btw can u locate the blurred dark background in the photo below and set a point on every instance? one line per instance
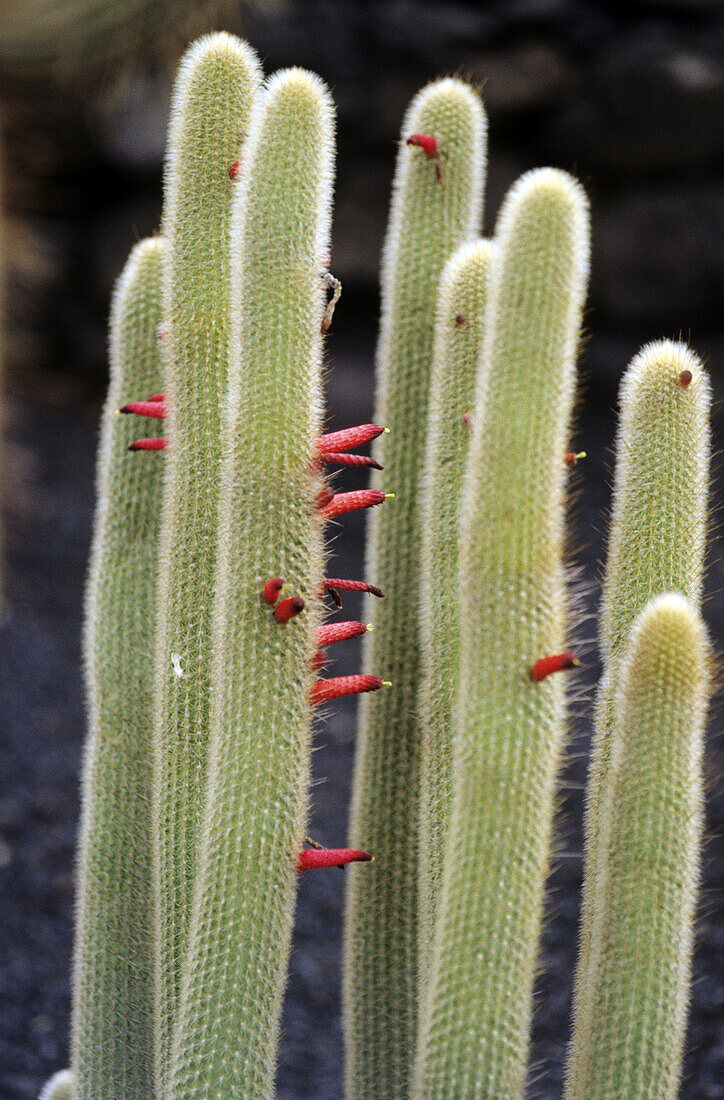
(629, 97)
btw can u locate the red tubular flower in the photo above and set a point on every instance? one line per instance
(149, 445)
(157, 397)
(426, 142)
(348, 438)
(234, 169)
(325, 690)
(348, 460)
(287, 609)
(350, 502)
(339, 632)
(271, 590)
(156, 409)
(334, 584)
(311, 858)
(319, 660)
(544, 666)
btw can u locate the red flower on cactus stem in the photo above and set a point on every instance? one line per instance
(159, 444)
(271, 590)
(325, 690)
(287, 609)
(313, 858)
(339, 632)
(348, 438)
(156, 409)
(430, 148)
(350, 502)
(556, 662)
(337, 584)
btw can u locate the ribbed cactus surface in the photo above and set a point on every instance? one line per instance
(509, 729)
(261, 675)
(656, 544)
(112, 977)
(435, 209)
(209, 120)
(59, 1087)
(653, 809)
(457, 348)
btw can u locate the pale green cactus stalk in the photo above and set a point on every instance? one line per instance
(458, 343)
(656, 544)
(509, 728)
(59, 1087)
(436, 207)
(112, 976)
(216, 84)
(653, 806)
(260, 731)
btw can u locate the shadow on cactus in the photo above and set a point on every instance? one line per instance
(207, 594)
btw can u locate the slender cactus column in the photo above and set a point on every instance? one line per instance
(435, 209)
(209, 119)
(656, 544)
(112, 1025)
(509, 728)
(260, 735)
(458, 344)
(653, 805)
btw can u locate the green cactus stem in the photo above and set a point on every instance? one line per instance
(256, 797)
(215, 87)
(435, 208)
(653, 808)
(112, 977)
(509, 728)
(59, 1087)
(458, 342)
(658, 528)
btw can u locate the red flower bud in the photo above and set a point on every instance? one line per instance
(319, 660)
(348, 438)
(350, 502)
(312, 858)
(149, 445)
(337, 584)
(426, 142)
(685, 379)
(349, 460)
(271, 590)
(544, 666)
(287, 609)
(234, 169)
(157, 397)
(339, 632)
(156, 409)
(324, 690)
(571, 458)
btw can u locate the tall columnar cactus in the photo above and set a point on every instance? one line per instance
(436, 205)
(112, 978)
(656, 545)
(458, 342)
(260, 730)
(209, 121)
(653, 811)
(508, 726)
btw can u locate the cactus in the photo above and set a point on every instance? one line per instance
(435, 208)
(210, 556)
(509, 729)
(112, 979)
(216, 83)
(59, 1087)
(653, 813)
(260, 725)
(458, 340)
(656, 544)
